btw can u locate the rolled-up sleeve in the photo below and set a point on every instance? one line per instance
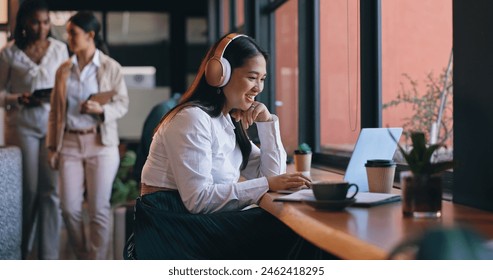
(270, 158)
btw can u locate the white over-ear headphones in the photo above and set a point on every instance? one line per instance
(218, 69)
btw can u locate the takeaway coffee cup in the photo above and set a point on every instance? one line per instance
(329, 190)
(302, 162)
(380, 173)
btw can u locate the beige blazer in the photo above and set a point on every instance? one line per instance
(109, 77)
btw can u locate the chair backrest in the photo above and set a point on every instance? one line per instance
(10, 203)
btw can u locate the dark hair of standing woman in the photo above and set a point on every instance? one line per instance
(211, 99)
(88, 22)
(25, 12)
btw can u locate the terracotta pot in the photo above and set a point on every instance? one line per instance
(421, 195)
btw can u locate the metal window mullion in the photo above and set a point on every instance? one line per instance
(232, 15)
(213, 21)
(309, 72)
(371, 63)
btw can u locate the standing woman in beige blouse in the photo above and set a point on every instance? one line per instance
(28, 63)
(83, 137)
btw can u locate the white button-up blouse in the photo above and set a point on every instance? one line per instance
(19, 74)
(80, 85)
(198, 155)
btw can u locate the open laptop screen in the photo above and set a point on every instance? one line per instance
(372, 143)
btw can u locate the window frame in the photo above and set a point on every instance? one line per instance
(370, 79)
(261, 14)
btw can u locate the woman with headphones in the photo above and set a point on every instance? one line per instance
(193, 204)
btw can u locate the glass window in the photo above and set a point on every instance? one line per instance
(123, 28)
(196, 30)
(339, 76)
(286, 59)
(225, 17)
(4, 15)
(137, 27)
(240, 13)
(417, 67)
(59, 20)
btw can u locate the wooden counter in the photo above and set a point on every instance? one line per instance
(367, 233)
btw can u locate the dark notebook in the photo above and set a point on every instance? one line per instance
(102, 97)
(42, 94)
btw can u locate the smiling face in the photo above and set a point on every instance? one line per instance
(78, 40)
(245, 84)
(38, 25)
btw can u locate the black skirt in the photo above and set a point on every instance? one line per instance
(164, 229)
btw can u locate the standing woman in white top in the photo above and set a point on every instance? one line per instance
(27, 63)
(193, 204)
(83, 134)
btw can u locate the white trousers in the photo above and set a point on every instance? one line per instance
(87, 170)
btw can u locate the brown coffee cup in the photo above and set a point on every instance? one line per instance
(302, 162)
(332, 190)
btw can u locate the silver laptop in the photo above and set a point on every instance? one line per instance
(373, 143)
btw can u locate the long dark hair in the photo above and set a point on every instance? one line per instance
(26, 10)
(211, 99)
(88, 22)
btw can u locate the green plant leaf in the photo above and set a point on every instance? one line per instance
(304, 147)
(429, 152)
(419, 158)
(440, 166)
(419, 145)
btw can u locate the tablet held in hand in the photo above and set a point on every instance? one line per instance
(102, 97)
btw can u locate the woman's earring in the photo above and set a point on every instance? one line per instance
(218, 91)
(23, 32)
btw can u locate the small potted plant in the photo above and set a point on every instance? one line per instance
(303, 158)
(422, 186)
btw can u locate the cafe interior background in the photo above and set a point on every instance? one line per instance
(336, 66)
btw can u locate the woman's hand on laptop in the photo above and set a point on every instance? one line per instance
(288, 181)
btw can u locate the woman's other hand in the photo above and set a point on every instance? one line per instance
(13, 99)
(91, 107)
(53, 159)
(28, 100)
(288, 181)
(258, 112)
